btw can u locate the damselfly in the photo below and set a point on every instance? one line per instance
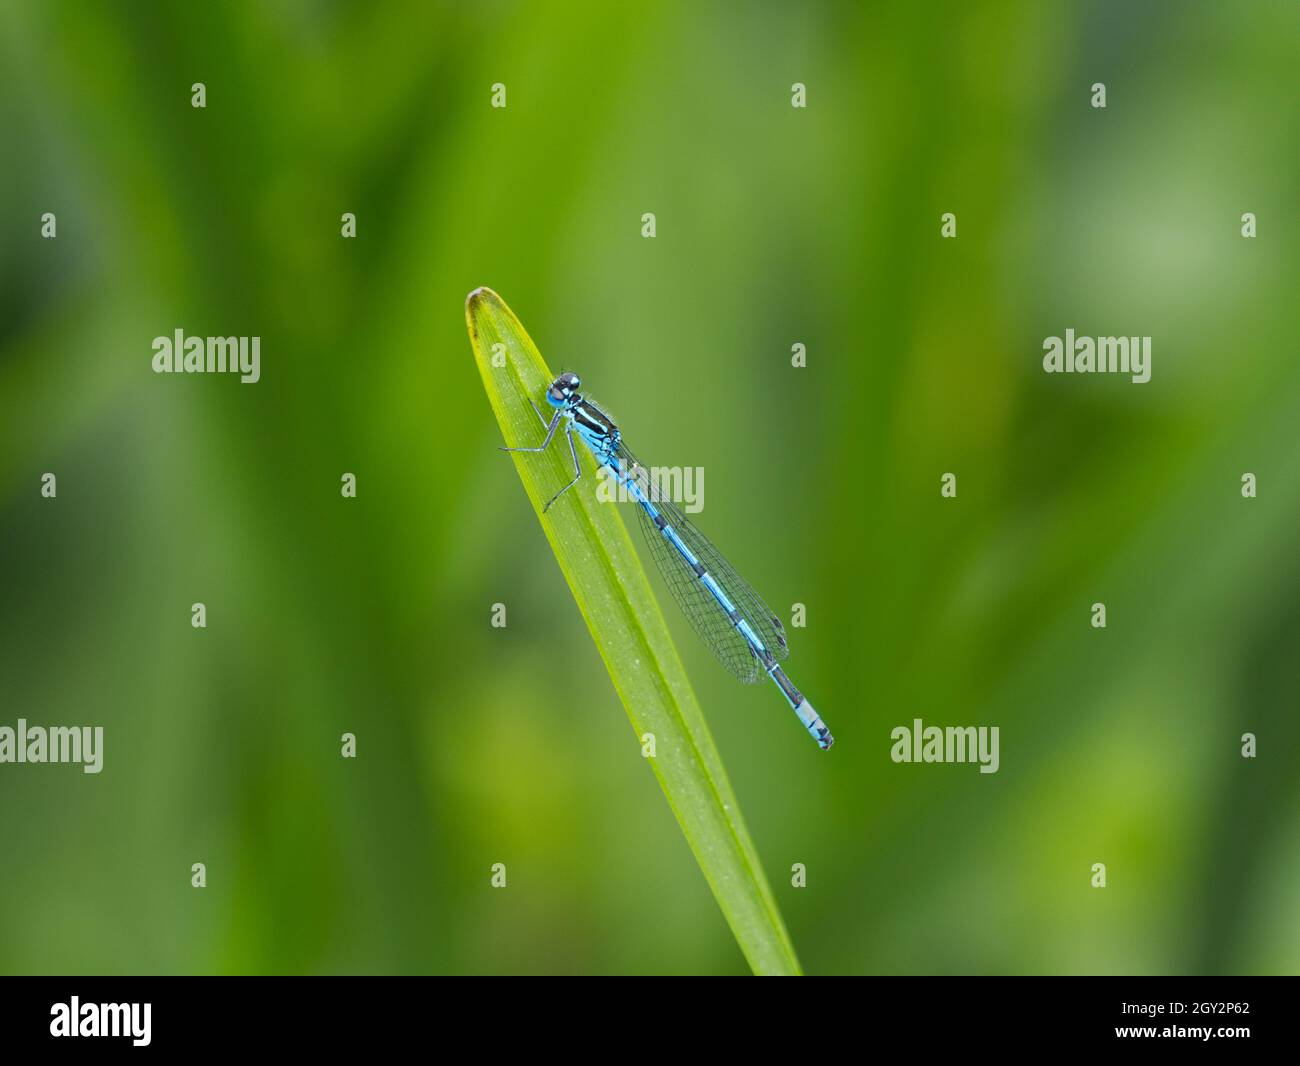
(730, 617)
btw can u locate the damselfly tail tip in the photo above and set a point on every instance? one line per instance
(813, 723)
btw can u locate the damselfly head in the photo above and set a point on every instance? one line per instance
(564, 391)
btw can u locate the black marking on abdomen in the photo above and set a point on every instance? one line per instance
(699, 569)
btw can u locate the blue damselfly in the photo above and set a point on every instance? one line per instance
(730, 617)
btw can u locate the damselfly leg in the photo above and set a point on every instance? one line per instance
(550, 432)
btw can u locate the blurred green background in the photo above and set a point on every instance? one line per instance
(775, 226)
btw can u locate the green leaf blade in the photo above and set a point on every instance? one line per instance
(609, 584)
